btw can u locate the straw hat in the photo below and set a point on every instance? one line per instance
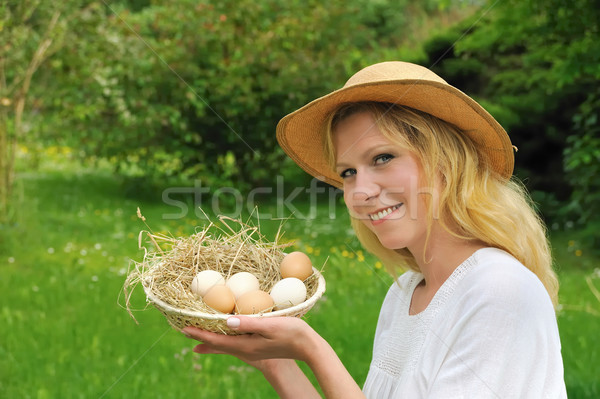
(300, 133)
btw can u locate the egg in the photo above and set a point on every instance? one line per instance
(241, 283)
(296, 264)
(204, 281)
(220, 298)
(288, 292)
(254, 302)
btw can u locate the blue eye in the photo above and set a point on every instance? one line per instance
(347, 173)
(382, 158)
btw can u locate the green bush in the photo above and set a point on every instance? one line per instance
(182, 90)
(174, 91)
(582, 166)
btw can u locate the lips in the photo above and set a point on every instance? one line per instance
(384, 212)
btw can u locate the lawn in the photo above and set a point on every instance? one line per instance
(64, 332)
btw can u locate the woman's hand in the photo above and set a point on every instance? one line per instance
(270, 345)
(263, 339)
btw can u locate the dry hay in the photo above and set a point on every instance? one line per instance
(166, 275)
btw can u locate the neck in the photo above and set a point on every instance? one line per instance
(444, 254)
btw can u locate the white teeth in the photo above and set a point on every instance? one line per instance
(384, 213)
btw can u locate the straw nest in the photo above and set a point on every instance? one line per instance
(166, 274)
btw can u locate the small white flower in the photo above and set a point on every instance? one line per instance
(83, 252)
(50, 250)
(11, 260)
(35, 288)
(569, 224)
(94, 278)
(97, 246)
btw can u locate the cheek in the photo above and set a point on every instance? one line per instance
(349, 203)
(355, 203)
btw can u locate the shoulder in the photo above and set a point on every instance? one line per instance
(498, 328)
(500, 281)
(497, 270)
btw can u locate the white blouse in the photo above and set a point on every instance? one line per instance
(489, 332)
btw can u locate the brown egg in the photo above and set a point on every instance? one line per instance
(220, 298)
(296, 264)
(254, 302)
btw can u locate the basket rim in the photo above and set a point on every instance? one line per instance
(307, 304)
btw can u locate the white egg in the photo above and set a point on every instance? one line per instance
(205, 280)
(288, 292)
(242, 282)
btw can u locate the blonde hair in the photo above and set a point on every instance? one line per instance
(475, 203)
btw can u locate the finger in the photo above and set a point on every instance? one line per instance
(197, 333)
(251, 325)
(207, 349)
(242, 324)
(268, 327)
(215, 340)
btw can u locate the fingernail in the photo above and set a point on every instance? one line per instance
(233, 322)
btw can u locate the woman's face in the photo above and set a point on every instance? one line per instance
(381, 183)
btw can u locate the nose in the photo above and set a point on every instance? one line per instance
(365, 188)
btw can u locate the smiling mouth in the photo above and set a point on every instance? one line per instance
(381, 214)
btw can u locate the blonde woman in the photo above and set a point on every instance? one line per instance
(426, 174)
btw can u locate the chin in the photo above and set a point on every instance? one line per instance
(392, 244)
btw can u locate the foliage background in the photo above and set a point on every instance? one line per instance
(104, 104)
(172, 91)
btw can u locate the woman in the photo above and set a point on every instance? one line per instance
(426, 174)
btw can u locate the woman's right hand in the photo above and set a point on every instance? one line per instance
(272, 344)
(262, 339)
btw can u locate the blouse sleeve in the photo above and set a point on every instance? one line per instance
(498, 339)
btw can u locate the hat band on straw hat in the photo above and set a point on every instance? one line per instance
(300, 134)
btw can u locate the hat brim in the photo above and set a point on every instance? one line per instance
(300, 134)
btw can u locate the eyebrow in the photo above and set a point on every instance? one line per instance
(375, 149)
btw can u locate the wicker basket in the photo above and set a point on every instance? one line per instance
(216, 322)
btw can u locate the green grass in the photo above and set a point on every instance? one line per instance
(64, 333)
(579, 317)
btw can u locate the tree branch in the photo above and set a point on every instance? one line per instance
(38, 57)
